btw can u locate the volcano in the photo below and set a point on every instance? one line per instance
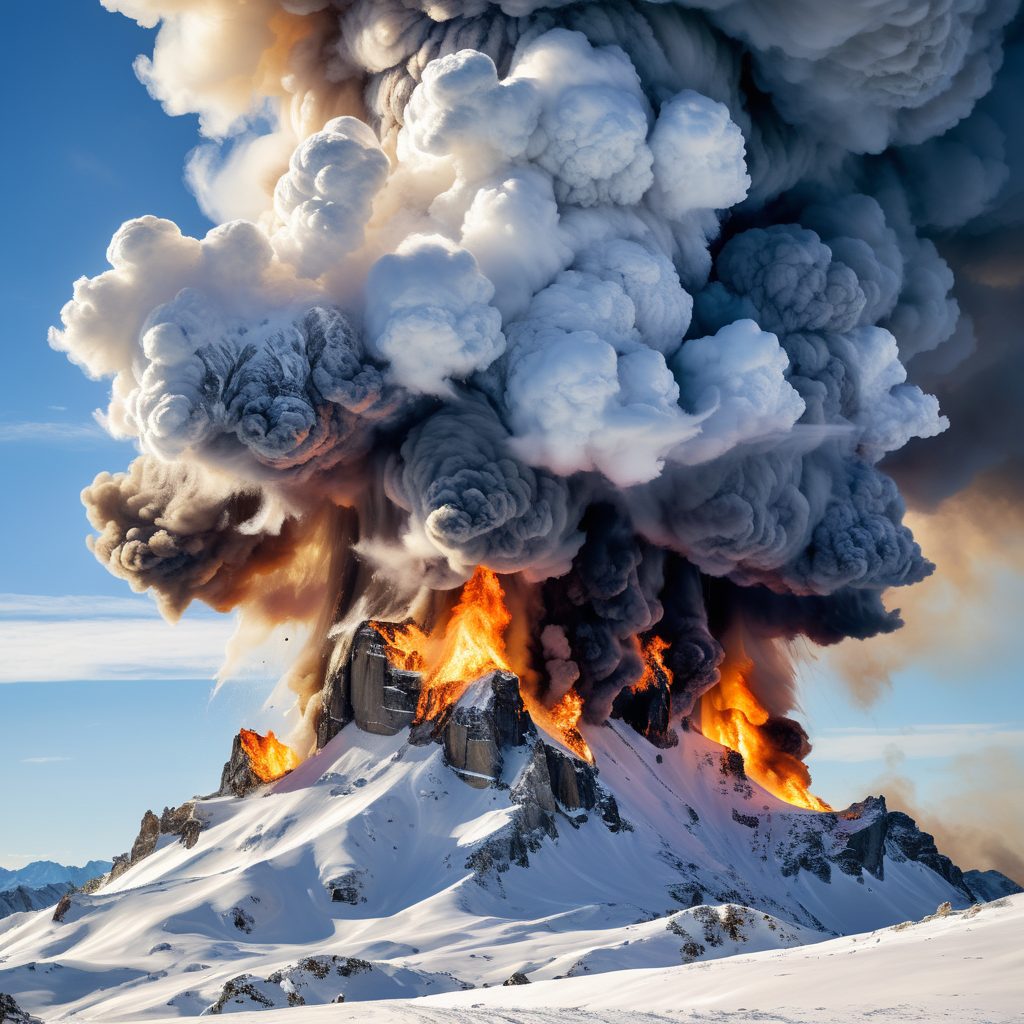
(408, 858)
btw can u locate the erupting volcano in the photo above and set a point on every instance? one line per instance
(548, 364)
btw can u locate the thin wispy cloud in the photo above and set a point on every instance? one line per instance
(53, 433)
(115, 648)
(75, 606)
(44, 760)
(920, 741)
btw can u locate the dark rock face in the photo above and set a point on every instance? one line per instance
(238, 776)
(517, 979)
(990, 885)
(184, 822)
(895, 835)
(147, 838)
(490, 717)
(649, 711)
(905, 841)
(62, 908)
(23, 898)
(383, 699)
(336, 706)
(12, 1013)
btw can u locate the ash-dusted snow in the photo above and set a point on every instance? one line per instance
(374, 872)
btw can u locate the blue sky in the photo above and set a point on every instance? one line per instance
(83, 758)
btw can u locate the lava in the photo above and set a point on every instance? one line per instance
(268, 756)
(731, 715)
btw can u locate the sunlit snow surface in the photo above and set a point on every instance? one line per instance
(394, 827)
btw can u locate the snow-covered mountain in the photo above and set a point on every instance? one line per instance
(393, 866)
(47, 872)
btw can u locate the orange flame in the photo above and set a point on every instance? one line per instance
(731, 715)
(562, 721)
(268, 756)
(473, 644)
(655, 668)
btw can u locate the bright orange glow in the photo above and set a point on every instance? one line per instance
(405, 643)
(561, 721)
(731, 715)
(654, 665)
(268, 756)
(473, 645)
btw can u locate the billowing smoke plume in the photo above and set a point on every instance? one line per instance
(635, 300)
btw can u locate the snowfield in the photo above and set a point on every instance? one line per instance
(374, 872)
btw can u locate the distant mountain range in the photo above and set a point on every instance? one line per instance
(41, 873)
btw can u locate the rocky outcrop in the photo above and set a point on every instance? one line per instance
(63, 906)
(335, 705)
(490, 717)
(649, 711)
(990, 885)
(893, 835)
(145, 842)
(12, 1013)
(517, 979)
(238, 776)
(22, 898)
(184, 821)
(383, 698)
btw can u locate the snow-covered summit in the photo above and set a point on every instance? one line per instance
(376, 869)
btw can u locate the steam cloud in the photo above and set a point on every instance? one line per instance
(634, 299)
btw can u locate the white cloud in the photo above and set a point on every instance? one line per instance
(44, 760)
(114, 648)
(920, 741)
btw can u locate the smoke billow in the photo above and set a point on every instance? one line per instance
(642, 302)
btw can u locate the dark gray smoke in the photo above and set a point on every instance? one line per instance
(654, 304)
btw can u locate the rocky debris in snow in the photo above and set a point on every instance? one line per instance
(383, 698)
(12, 1013)
(95, 884)
(22, 898)
(316, 980)
(346, 888)
(63, 906)
(517, 979)
(990, 885)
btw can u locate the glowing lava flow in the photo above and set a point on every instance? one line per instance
(268, 756)
(731, 715)
(473, 645)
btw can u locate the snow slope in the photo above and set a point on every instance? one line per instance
(429, 900)
(967, 968)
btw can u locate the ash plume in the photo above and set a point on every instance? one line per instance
(647, 304)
